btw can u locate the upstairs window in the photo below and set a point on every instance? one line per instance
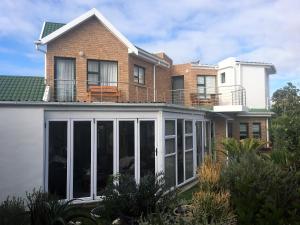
(223, 80)
(244, 131)
(139, 74)
(256, 130)
(206, 86)
(103, 73)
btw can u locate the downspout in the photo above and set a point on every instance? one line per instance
(267, 128)
(154, 82)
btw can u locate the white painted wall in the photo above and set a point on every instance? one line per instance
(253, 79)
(21, 150)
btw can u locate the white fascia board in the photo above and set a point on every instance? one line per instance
(42, 30)
(84, 17)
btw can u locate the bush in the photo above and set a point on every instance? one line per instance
(209, 175)
(234, 149)
(261, 192)
(46, 209)
(124, 198)
(212, 208)
(12, 212)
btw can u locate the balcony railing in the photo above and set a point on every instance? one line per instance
(84, 91)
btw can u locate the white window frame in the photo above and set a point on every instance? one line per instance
(188, 150)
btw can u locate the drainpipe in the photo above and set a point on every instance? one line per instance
(37, 47)
(154, 82)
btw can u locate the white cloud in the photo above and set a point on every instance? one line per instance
(209, 30)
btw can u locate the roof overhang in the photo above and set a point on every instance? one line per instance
(268, 66)
(81, 19)
(229, 108)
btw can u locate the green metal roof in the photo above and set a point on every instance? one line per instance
(50, 27)
(21, 88)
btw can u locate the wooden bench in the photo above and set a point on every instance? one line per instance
(104, 91)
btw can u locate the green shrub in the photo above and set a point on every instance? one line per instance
(12, 212)
(261, 192)
(124, 198)
(234, 149)
(46, 209)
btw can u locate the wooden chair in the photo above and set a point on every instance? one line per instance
(104, 91)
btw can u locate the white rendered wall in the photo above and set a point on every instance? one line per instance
(253, 79)
(21, 150)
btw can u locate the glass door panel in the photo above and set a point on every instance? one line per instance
(199, 142)
(57, 158)
(81, 159)
(180, 152)
(104, 154)
(126, 148)
(147, 148)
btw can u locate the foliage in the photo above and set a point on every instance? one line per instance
(126, 199)
(48, 210)
(286, 100)
(234, 149)
(209, 175)
(285, 127)
(212, 208)
(12, 212)
(261, 192)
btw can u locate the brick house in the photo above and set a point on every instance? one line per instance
(106, 106)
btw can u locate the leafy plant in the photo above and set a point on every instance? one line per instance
(261, 192)
(48, 210)
(124, 198)
(12, 212)
(234, 149)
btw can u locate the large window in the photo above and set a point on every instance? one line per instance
(244, 131)
(223, 78)
(57, 158)
(139, 74)
(206, 86)
(188, 149)
(170, 152)
(104, 73)
(126, 148)
(104, 154)
(256, 130)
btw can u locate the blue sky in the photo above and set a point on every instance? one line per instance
(187, 30)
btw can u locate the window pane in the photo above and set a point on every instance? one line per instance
(57, 174)
(136, 71)
(170, 145)
(93, 79)
(188, 142)
(82, 159)
(142, 78)
(108, 73)
(189, 165)
(170, 173)
(188, 127)
(208, 137)
(256, 130)
(180, 150)
(201, 90)
(199, 142)
(136, 79)
(243, 130)
(147, 148)
(201, 80)
(104, 154)
(169, 127)
(93, 66)
(126, 147)
(230, 129)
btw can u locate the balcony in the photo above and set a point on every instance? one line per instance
(203, 97)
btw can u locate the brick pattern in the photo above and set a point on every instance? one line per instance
(190, 78)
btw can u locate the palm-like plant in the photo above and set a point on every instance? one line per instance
(233, 148)
(48, 210)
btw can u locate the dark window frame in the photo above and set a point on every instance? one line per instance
(244, 136)
(205, 95)
(138, 75)
(98, 73)
(223, 78)
(254, 134)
